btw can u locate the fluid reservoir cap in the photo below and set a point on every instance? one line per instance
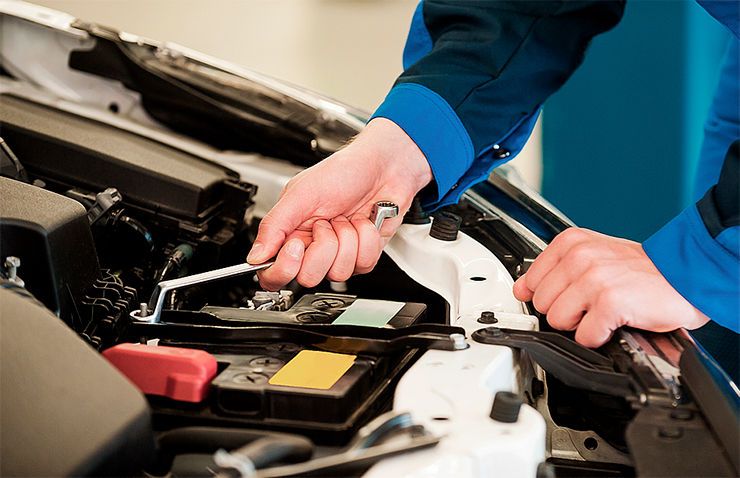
(445, 226)
(506, 407)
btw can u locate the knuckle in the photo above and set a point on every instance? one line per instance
(571, 234)
(609, 299)
(596, 277)
(582, 253)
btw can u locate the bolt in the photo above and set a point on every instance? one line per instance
(327, 303)
(339, 287)
(143, 309)
(12, 264)
(494, 331)
(313, 317)
(487, 317)
(458, 341)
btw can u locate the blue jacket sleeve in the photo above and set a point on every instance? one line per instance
(476, 73)
(698, 252)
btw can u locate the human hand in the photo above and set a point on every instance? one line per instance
(594, 284)
(320, 225)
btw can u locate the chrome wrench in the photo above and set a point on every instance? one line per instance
(151, 312)
(381, 211)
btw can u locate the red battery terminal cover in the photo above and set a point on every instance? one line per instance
(173, 372)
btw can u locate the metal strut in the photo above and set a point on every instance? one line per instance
(566, 359)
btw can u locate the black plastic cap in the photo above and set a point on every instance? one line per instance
(416, 214)
(545, 470)
(506, 407)
(445, 226)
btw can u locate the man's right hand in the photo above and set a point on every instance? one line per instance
(320, 226)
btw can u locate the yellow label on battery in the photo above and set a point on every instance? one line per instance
(313, 369)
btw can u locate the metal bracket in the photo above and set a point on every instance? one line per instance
(350, 339)
(567, 360)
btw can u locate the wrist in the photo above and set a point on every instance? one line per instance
(395, 153)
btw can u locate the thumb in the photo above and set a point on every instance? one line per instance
(275, 227)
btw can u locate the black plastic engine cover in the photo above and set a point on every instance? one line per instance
(51, 236)
(65, 411)
(77, 151)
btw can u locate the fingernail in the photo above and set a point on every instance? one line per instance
(254, 254)
(294, 248)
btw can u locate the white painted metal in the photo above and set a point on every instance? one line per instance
(454, 270)
(451, 393)
(475, 447)
(41, 16)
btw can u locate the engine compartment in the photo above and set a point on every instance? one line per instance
(128, 183)
(94, 236)
(113, 221)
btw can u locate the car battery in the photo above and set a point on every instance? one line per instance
(297, 388)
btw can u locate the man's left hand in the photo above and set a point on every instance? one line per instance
(594, 284)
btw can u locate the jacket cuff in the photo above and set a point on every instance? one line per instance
(436, 129)
(705, 271)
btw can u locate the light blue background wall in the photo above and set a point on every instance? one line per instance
(621, 139)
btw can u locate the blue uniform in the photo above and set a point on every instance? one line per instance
(475, 76)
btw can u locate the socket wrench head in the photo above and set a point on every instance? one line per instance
(381, 211)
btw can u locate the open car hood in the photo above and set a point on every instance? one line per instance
(127, 162)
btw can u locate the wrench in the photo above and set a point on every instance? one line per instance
(381, 211)
(152, 311)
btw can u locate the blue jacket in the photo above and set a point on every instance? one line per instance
(476, 73)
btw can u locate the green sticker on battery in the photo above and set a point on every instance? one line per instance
(369, 313)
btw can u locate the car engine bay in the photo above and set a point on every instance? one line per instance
(159, 167)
